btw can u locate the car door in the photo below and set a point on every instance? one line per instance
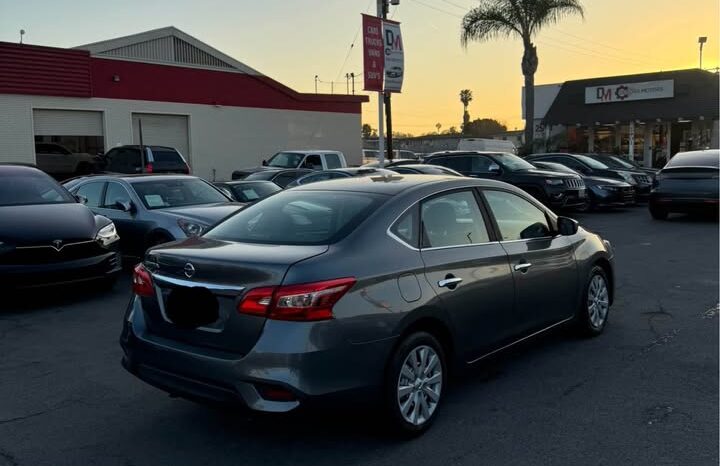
(542, 263)
(132, 230)
(468, 270)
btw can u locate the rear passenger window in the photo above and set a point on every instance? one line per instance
(452, 220)
(332, 161)
(92, 192)
(461, 164)
(516, 217)
(406, 227)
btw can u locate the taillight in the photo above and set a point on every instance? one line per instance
(142, 282)
(305, 302)
(148, 168)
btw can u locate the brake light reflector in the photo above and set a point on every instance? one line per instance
(306, 302)
(142, 282)
(149, 168)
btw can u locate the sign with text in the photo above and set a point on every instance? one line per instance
(394, 56)
(631, 91)
(373, 53)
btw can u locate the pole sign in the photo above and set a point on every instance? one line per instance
(394, 56)
(383, 55)
(631, 91)
(373, 53)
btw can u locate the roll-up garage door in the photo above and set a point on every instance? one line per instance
(67, 123)
(163, 130)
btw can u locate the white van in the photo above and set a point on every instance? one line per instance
(486, 145)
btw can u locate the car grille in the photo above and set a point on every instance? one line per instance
(575, 183)
(628, 194)
(48, 254)
(642, 179)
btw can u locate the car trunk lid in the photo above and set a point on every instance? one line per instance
(200, 282)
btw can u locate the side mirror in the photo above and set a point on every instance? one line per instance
(81, 199)
(125, 206)
(567, 226)
(264, 163)
(494, 169)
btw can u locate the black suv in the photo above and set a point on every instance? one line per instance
(590, 166)
(154, 159)
(556, 190)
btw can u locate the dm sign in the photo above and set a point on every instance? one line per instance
(632, 91)
(383, 55)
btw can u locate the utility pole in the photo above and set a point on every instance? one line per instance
(387, 95)
(352, 77)
(701, 40)
(347, 83)
(316, 81)
(380, 98)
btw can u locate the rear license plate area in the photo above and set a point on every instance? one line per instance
(190, 308)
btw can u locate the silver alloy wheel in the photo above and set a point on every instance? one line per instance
(419, 384)
(598, 301)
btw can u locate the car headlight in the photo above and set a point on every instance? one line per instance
(192, 228)
(554, 181)
(628, 177)
(608, 187)
(107, 235)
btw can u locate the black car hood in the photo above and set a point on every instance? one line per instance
(597, 180)
(208, 214)
(544, 173)
(43, 223)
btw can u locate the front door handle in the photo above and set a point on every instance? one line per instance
(523, 267)
(450, 282)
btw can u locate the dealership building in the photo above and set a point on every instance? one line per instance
(647, 117)
(219, 113)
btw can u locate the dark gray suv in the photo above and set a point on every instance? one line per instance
(377, 284)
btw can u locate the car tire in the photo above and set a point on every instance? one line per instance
(415, 382)
(594, 309)
(658, 213)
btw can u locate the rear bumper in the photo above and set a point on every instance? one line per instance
(567, 198)
(684, 203)
(288, 355)
(40, 275)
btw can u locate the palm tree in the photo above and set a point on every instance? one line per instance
(465, 97)
(523, 19)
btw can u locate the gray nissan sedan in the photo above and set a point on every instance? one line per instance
(375, 284)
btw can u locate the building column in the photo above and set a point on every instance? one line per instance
(668, 140)
(618, 137)
(591, 139)
(631, 141)
(647, 145)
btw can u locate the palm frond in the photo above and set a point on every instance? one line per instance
(547, 12)
(490, 20)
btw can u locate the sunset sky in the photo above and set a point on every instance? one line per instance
(294, 40)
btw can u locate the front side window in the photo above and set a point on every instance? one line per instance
(333, 161)
(516, 217)
(92, 192)
(313, 162)
(28, 189)
(452, 220)
(299, 218)
(457, 163)
(161, 194)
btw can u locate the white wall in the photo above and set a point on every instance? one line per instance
(545, 95)
(222, 139)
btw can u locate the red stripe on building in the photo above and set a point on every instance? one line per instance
(29, 69)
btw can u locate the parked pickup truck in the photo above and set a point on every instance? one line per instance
(310, 159)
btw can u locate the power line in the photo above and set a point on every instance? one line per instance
(352, 44)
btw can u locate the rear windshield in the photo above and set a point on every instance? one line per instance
(28, 188)
(299, 218)
(249, 192)
(695, 159)
(167, 158)
(161, 194)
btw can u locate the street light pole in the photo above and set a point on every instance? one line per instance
(381, 138)
(701, 40)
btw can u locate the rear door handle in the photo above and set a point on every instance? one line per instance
(449, 282)
(523, 267)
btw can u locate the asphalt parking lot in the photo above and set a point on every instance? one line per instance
(645, 392)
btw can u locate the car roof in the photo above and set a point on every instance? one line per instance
(19, 168)
(467, 152)
(137, 146)
(393, 184)
(237, 182)
(130, 178)
(312, 151)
